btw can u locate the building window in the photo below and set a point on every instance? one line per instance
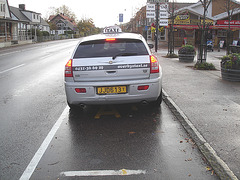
(33, 16)
(2, 9)
(163, 35)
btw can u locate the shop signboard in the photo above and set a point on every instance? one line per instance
(182, 19)
(225, 22)
(176, 21)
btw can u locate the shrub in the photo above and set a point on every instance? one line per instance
(204, 66)
(171, 56)
(232, 61)
(187, 49)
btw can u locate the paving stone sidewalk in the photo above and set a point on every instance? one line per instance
(211, 105)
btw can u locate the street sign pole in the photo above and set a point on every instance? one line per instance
(156, 33)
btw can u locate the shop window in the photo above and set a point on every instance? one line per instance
(163, 35)
(182, 33)
(222, 33)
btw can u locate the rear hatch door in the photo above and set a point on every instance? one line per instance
(119, 59)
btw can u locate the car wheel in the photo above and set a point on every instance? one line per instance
(158, 102)
(75, 107)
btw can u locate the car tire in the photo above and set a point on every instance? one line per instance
(158, 102)
(74, 107)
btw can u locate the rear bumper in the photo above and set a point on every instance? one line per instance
(132, 96)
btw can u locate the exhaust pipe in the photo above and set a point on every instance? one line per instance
(83, 106)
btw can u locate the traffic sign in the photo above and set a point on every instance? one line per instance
(150, 11)
(150, 7)
(164, 7)
(163, 22)
(120, 17)
(163, 14)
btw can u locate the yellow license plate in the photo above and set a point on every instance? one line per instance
(112, 90)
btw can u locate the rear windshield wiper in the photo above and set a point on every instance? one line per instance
(124, 54)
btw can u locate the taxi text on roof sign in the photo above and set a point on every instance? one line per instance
(112, 30)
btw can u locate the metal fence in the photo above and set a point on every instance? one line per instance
(15, 39)
(53, 37)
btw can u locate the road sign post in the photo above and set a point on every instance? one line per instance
(156, 32)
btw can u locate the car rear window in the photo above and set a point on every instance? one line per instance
(104, 48)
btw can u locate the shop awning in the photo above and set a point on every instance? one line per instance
(191, 27)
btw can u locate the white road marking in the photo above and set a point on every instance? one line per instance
(10, 69)
(122, 172)
(38, 155)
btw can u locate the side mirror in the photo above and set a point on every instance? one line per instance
(150, 46)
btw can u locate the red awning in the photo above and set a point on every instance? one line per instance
(191, 27)
(237, 27)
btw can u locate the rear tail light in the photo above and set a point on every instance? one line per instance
(80, 90)
(145, 87)
(68, 69)
(154, 64)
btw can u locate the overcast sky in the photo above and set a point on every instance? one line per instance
(103, 12)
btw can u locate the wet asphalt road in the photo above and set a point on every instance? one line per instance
(142, 138)
(117, 138)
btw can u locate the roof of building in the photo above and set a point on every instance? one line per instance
(43, 22)
(181, 5)
(18, 14)
(64, 17)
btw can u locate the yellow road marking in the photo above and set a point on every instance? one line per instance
(103, 111)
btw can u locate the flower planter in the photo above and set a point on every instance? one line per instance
(230, 74)
(186, 57)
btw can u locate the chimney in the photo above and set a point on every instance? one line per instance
(22, 6)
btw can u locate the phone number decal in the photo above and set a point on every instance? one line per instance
(111, 67)
(88, 68)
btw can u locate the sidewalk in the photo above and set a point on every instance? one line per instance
(208, 107)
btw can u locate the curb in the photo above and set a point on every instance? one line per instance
(219, 166)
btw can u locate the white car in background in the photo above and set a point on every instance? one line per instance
(113, 68)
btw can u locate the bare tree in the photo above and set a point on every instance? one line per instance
(172, 13)
(202, 53)
(230, 6)
(63, 10)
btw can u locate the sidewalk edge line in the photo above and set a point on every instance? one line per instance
(220, 167)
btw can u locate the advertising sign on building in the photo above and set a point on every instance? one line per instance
(225, 22)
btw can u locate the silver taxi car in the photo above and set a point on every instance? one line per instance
(113, 68)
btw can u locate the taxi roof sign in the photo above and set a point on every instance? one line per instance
(112, 30)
